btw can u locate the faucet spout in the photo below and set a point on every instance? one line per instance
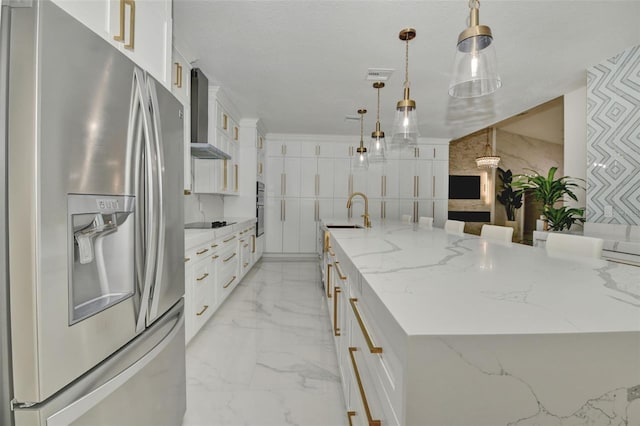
(367, 222)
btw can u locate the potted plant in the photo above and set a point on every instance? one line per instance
(510, 198)
(549, 190)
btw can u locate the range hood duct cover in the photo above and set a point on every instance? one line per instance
(200, 146)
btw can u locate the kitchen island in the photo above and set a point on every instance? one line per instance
(443, 329)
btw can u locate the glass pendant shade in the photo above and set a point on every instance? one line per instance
(405, 124)
(475, 70)
(378, 144)
(361, 160)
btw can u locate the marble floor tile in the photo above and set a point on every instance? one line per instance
(267, 355)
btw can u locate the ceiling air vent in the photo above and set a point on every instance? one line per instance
(379, 74)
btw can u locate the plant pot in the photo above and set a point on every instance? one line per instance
(513, 224)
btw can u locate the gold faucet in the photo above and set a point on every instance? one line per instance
(367, 222)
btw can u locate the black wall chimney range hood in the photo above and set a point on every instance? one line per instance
(200, 146)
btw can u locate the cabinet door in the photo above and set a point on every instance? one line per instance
(204, 172)
(273, 223)
(359, 179)
(374, 181)
(390, 179)
(291, 225)
(291, 183)
(341, 186)
(274, 177)
(441, 183)
(406, 179)
(309, 149)
(309, 215)
(441, 152)
(325, 177)
(424, 181)
(181, 78)
(309, 178)
(440, 212)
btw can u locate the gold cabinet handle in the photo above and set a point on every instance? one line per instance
(178, 81)
(229, 283)
(202, 251)
(236, 131)
(327, 239)
(336, 329)
(132, 23)
(225, 121)
(228, 239)
(349, 415)
(214, 245)
(370, 420)
(186, 259)
(205, 275)
(204, 308)
(229, 258)
(235, 166)
(244, 265)
(214, 257)
(224, 187)
(329, 266)
(331, 253)
(253, 244)
(340, 274)
(372, 348)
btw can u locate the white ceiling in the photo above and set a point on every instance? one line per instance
(544, 122)
(300, 65)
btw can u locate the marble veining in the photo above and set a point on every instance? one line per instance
(267, 355)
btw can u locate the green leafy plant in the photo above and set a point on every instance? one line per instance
(511, 199)
(561, 218)
(549, 190)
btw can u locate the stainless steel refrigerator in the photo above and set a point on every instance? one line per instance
(91, 230)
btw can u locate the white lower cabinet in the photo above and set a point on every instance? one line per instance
(212, 270)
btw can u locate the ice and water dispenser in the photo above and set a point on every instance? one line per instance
(101, 253)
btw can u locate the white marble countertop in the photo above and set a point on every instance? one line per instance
(435, 283)
(194, 237)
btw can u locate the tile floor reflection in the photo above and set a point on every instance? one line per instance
(267, 356)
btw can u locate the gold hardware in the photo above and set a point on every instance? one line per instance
(336, 329)
(350, 185)
(317, 187)
(187, 192)
(225, 121)
(331, 253)
(202, 277)
(186, 259)
(329, 266)
(202, 251)
(235, 171)
(370, 420)
(229, 258)
(260, 168)
(215, 256)
(433, 187)
(349, 415)
(246, 245)
(229, 283)
(340, 274)
(367, 222)
(327, 240)
(132, 23)
(417, 186)
(214, 245)
(178, 81)
(229, 239)
(203, 309)
(224, 188)
(253, 244)
(260, 144)
(244, 265)
(372, 348)
(235, 137)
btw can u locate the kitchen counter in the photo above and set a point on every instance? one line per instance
(492, 333)
(194, 237)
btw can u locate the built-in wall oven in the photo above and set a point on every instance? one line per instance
(259, 209)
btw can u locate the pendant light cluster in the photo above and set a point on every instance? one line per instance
(475, 74)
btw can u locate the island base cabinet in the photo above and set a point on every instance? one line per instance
(524, 380)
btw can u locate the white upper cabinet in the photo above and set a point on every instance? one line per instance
(141, 29)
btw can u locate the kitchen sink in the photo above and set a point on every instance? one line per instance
(345, 226)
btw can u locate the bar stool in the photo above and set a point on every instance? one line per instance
(497, 233)
(577, 245)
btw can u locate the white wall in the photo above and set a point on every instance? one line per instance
(575, 141)
(203, 208)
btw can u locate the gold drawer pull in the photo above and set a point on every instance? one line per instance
(229, 258)
(372, 348)
(202, 277)
(244, 265)
(132, 23)
(336, 329)
(371, 421)
(246, 245)
(203, 309)
(329, 266)
(228, 239)
(214, 245)
(202, 251)
(186, 259)
(349, 415)
(229, 283)
(340, 274)
(215, 256)
(331, 253)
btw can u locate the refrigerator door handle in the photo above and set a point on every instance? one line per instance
(159, 213)
(148, 236)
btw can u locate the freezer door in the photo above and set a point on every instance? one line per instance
(70, 102)
(167, 118)
(143, 384)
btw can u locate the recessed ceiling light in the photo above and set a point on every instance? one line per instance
(379, 74)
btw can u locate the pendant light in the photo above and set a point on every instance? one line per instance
(475, 71)
(361, 161)
(405, 126)
(378, 145)
(488, 160)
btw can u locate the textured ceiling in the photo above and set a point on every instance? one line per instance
(300, 65)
